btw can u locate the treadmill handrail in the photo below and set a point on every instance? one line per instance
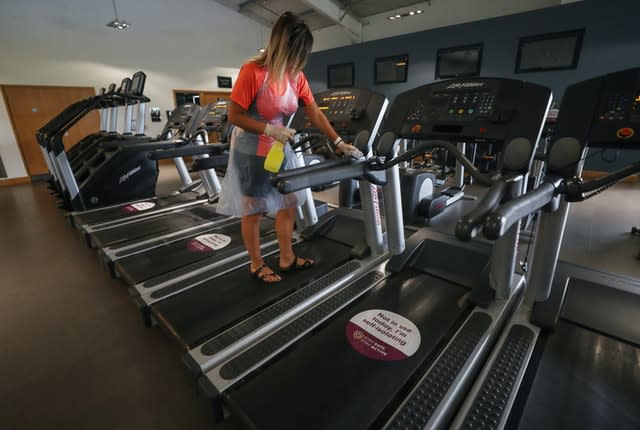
(185, 151)
(467, 226)
(429, 144)
(143, 145)
(309, 178)
(503, 217)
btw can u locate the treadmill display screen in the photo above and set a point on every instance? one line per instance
(349, 110)
(216, 115)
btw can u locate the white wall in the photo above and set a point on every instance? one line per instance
(181, 45)
(440, 13)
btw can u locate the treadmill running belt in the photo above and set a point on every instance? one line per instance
(322, 382)
(120, 213)
(164, 259)
(204, 311)
(155, 226)
(584, 381)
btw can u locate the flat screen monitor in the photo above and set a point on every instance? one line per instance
(390, 70)
(459, 61)
(553, 51)
(340, 75)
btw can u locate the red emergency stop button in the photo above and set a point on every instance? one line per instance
(416, 128)
(625, 133)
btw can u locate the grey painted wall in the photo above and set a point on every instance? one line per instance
(611, 42)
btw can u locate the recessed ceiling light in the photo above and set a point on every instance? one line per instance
(418, 11)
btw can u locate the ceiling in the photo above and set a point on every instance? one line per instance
(317, 14)
(361, 20)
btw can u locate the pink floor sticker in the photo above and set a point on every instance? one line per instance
(208, 242)
(383, 335)
(138, 207)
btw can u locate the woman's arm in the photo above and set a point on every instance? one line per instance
(320, 121)
(239, 117)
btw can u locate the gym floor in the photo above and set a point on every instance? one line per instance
(75, 354)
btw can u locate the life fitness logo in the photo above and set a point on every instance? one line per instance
(383, 335)
(460, 85)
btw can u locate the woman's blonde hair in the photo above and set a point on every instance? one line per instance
(288, 48)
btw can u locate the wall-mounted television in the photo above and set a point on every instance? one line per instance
(388, 70)
(340, 75)
(458, 61)
(551, 51)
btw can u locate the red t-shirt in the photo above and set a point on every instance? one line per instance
(250, 80)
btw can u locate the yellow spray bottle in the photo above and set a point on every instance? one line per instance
(274, 157)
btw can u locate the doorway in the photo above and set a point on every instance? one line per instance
(30, 107)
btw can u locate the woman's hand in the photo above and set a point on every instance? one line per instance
(346, 149)
(282, 134)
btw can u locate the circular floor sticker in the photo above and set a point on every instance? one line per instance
(208, 242)
(138, 207)
(383, 335)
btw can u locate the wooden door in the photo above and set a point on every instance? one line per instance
(30, 107)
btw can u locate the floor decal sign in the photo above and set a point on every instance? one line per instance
(383, 335)
(138, 207)
(208, 242)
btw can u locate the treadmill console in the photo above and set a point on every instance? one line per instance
(215, 115)
(470, 110)
(137, 83)
(180, 117)
(349, 110)
(601, 112)
(212, 118)
(617, 117)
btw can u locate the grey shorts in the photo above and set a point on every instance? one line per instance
(255, 181)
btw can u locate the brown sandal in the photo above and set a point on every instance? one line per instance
(307, 263)
(267, 278)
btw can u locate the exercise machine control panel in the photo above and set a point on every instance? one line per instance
(215, 115)
(180, 117)
(349, 110)
(603, 112)
(470, 110)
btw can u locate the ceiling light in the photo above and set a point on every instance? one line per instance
(261, 50)
(116, 23)
(406, 14)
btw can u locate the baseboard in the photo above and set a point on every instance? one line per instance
(168, 161)
(15, 181)
(596, 174)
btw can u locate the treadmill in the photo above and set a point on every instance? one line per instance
(343, 243)
(422, 331)
(176, 130)
(156, 225)
(568, 359)
(146, 264)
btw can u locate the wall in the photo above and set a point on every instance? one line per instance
(182, 45)
(611, 43)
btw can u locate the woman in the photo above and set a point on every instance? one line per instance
(269, 88)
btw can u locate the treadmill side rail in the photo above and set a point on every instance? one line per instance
(456, 366)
